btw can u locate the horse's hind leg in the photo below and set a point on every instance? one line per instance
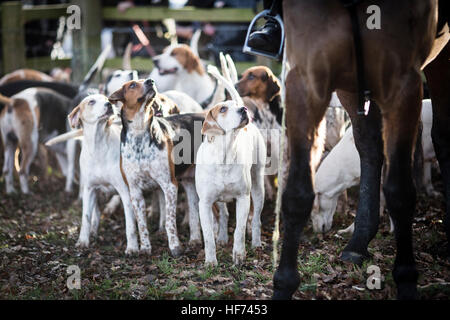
(304, 112)
(368, 141)
(438, 79)
(400, 124)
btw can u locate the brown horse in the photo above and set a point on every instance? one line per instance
(320, 51)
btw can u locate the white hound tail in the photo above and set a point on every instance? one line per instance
(228, 85)
(64, 137)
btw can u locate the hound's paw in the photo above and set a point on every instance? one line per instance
(177, 251)
(256, 243)
(94, 233)
(145, 251)
(131, 251)
(68, 190)
(435, 194)
(238, 258)
(195, 242)
(222, 242)
(82, 244)
(10, 190)
(211, 262)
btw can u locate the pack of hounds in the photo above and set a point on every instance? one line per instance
(214, 133)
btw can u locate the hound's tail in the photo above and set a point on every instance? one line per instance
(230, 74)
(98, 65)
(228, 85)
(64, 137)
(126, 60)
(194, 41)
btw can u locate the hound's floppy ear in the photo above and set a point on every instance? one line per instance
(210, 126)
(117, 96)
(74, 118)
(273, 87)
(188, 59)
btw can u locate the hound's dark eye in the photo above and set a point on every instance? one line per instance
(91, 102)
(133, 85)
(223, 109)
(251, 76)
(117, 75)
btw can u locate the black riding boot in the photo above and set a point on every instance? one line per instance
(268, 38)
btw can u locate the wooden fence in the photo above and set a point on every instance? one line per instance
(86, 40)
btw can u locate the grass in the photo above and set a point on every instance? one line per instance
(313, 263)
(165, 264)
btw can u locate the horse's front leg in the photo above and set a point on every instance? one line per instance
(369, 143)
(400, 124)
(304, 112)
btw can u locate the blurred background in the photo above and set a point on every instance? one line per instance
(37, 32)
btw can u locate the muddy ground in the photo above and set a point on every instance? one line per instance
(38, 235)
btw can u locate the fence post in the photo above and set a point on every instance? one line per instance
(13, 36)
(86, 40)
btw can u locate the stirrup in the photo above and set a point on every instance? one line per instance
(259, 52)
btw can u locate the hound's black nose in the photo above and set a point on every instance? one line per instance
(156, 62)
(108, 104)
(149, 82)
(243, 110)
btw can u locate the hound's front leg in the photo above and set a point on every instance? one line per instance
(159, 202)
(257, 193)
(95, 220)
(170, 197)
(222, 237)
(242, 209)
(138, 203)
(71, 152)
(194, 223)
(130, 221)
(206, 220)
(89, 202)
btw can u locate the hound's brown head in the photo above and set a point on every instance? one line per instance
(224, 117)
(259, 83)
(175, 58)
(92, 109)
(135, 95)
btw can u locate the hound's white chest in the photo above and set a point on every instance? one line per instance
(100, 174)
(142, 160)
(223, 182)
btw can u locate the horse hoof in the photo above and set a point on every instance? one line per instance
(281, 295)
(353, 257)
(285, 284)
(407, 291)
